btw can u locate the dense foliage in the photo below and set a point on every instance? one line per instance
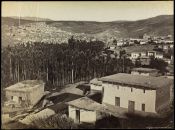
(59, 64)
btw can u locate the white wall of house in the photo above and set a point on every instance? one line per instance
(138, 73)
(144, 73)
(143, 54)
(96, 87)
(151, 53)
(36, 93)
(135, 55)
(16, 95)
(137, 95)
(85, 115)
(33, 95)
(159, 56)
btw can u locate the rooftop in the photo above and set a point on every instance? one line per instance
(25, 85)
(139, 81)
(144, 69)
(88, 104)
(85, 103)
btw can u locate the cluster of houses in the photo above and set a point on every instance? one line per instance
(141, 92)
(41, 32)
(144, 53)
(146, 39)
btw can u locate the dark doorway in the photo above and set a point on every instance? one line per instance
(117, 101)
(131, 106)
(143, 107)
(20, 100)
(78, 116)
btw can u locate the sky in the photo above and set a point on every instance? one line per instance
(102, 11)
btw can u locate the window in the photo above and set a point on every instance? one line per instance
(143, 90)
(131, 89)
(143, 107)
(117, 101)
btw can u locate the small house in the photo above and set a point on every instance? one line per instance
(137, 93)
(85, 110)
(25, 94)
(144, 71)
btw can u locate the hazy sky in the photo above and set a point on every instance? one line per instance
(89, 11)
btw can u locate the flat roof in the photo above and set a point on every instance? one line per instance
(88, 104)
(144, 69)
(85, 103)
(139, 81)
(25, 85)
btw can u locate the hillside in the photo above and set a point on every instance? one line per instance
(61, 30)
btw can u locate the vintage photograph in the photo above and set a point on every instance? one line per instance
(87, 64)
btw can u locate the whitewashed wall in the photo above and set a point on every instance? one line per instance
(134, 55)
(137, 73)
(96, 87)
(36, 93)
(16, 95)
(125, 94)
(85, 116)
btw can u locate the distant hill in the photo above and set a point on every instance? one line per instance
(14, 21)
(158, 26)
(32, 18)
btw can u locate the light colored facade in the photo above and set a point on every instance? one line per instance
(96, 85)
(159, 56)
(137, 92)
(135, 55)
(126, 94)
(144, 71)
(26, 93)
(167, 60)
(84, 110)
(83, 116)
(152, 53)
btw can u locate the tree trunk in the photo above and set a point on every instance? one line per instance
(18, 72)
(72, 72)
(47, 73)
(11, 75)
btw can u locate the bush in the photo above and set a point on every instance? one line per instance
(54, 122)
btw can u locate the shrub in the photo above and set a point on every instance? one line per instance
(54, 122)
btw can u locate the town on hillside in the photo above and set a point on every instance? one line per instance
(68, 75)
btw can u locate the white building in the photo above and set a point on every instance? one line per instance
(152, 53)
(26, 93)
(135, 55)
(137, 93)
(96, 85)
(143, 42)
(138, 54)
(159, 55)
(144, 71)
(167, 60)
(85, 110)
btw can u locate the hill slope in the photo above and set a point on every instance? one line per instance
(158, 26)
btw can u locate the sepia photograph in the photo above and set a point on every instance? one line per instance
(87, 64)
